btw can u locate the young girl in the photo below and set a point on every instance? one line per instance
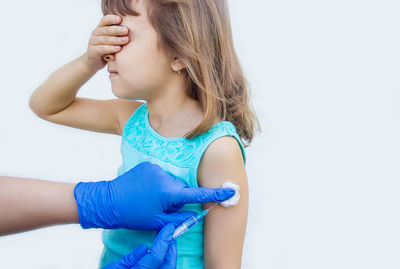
(177, 56)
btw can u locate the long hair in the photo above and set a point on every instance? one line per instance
(199, 33)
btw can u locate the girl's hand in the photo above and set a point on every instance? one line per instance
(107, 38)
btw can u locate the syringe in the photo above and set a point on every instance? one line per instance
(189, 223)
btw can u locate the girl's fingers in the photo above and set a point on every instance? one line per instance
(109, 40)
(108, 37)
(105, 49)
(114, 30)
(109, 19)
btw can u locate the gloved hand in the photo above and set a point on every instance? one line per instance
(140, 199)
(162, 254)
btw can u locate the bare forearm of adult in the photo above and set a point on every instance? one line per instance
(27, 204)
(59, 90)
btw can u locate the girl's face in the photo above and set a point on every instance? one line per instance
(142, 68)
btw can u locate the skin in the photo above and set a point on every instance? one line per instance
(146, 73)
(27, 204)
(224, 228)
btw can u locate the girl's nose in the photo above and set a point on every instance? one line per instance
(109, 57)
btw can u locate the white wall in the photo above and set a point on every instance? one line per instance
(324, 175)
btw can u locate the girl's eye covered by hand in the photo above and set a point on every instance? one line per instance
(107, 38)
(120, 32)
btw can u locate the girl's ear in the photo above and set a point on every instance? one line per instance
(177, 64)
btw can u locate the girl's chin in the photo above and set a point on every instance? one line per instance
(124, 94)
(118, 93)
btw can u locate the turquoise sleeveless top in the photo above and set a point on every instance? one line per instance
(178, 156)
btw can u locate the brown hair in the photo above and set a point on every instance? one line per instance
(199, 32)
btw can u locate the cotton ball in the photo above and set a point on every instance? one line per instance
(235, 198)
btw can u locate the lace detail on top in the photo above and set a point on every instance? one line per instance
(179, 150)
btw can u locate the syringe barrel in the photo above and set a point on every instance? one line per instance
(181, 229)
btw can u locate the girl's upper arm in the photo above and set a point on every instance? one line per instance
(105, 116)
(224, 228)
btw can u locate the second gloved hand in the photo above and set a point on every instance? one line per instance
(162, 254)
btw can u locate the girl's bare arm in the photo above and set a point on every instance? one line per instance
(27, 204)
(55, 99)
(224, 228)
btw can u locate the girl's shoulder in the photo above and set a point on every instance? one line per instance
(128, 110)
(222, 134)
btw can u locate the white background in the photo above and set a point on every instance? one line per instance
(325, 173)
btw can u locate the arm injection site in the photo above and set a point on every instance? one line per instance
(192, 221)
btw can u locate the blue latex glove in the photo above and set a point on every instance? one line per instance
(162, 254)
(140, 199)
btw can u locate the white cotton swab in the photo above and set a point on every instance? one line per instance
(235, 198)
(192, 221)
